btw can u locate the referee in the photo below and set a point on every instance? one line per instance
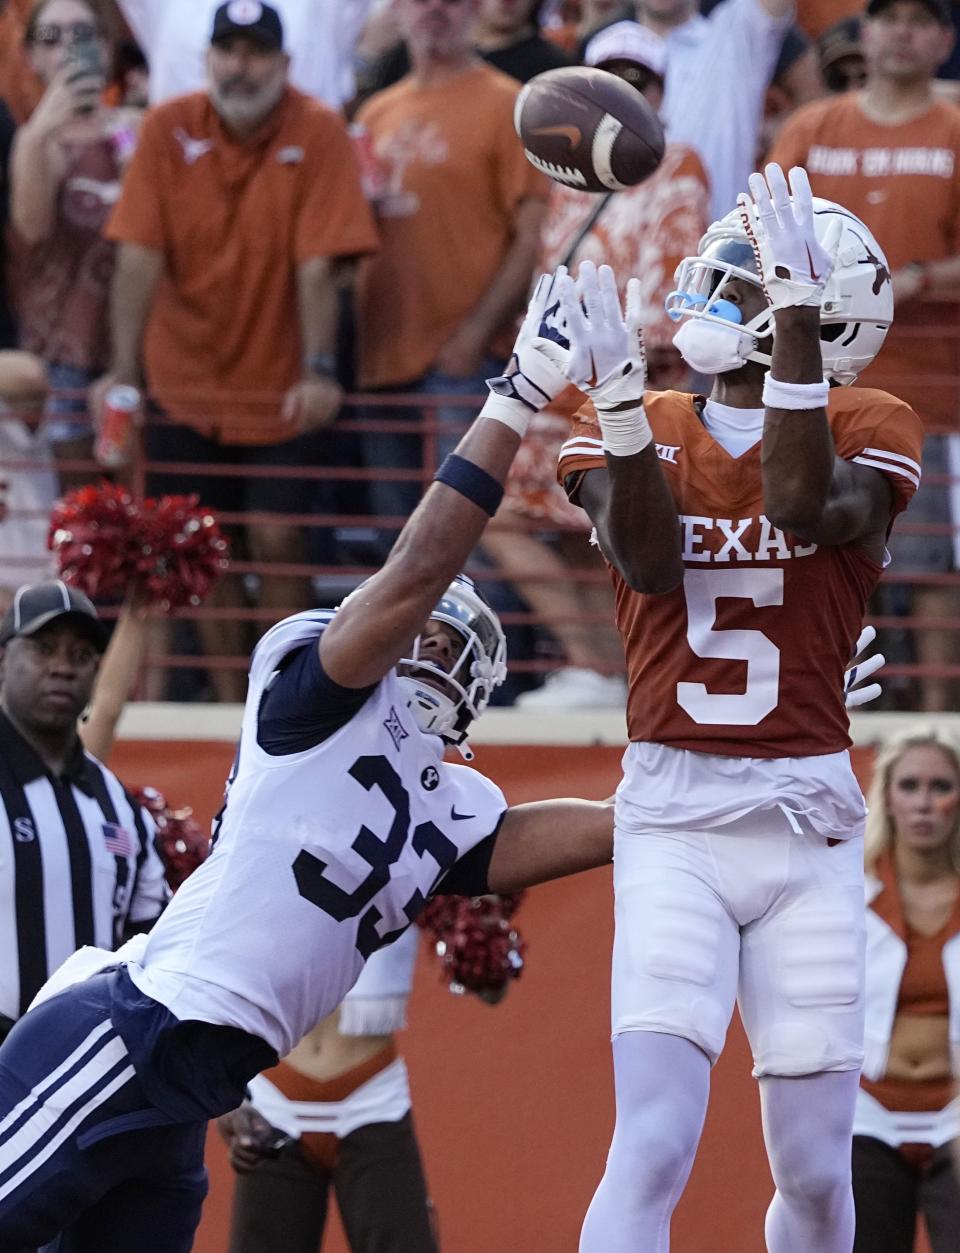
(77, 858)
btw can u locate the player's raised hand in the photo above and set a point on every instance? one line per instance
(779, 221)
(855, 688)
(606, 343)
(536, 373)
(607, 358)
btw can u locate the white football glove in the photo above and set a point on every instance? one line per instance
(855, 693)
(607, 358)
(535, 374)
(794, 266)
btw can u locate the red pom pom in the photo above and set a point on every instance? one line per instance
(182, 551)
(93, 534)
(479, 950)
(105, 541)
(181, 842)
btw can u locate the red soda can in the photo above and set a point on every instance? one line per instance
(373, 174)
(120, 408)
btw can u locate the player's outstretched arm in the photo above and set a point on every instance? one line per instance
(549, 839)
(376, 626)
(632, 508)
(807, 488)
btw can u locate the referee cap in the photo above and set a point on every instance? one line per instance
(37, 604)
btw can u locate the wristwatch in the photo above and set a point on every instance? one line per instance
(322, 363)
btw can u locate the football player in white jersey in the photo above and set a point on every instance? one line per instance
(341, 818)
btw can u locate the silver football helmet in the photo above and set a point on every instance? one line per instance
(445, 703)
(857, 305)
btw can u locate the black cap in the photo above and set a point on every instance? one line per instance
(942, 10)
(37, 604)
(250, 18)
(842, 39)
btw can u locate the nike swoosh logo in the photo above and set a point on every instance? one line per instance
(459, 817)
(572, 134)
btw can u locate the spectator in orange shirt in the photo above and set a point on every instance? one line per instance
(891, 154)
(66, 168)
(459, 215)
(20, 86)
(238, 203)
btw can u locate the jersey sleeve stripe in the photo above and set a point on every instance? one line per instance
(582, 445)
(893, 456)
(889, 468)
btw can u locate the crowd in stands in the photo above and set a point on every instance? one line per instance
(304, 231)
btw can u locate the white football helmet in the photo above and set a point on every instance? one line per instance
(445, 704)
(857, 305)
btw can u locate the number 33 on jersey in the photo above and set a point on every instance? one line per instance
(746, 658)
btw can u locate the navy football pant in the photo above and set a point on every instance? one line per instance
(83, 1151)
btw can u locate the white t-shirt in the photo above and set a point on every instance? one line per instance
(718, 71)
(320, 35)
(321, 855)
(26, 498)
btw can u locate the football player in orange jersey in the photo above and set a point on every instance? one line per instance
(744, 533)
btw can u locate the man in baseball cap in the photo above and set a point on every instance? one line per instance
(39, 604)
(251, 20)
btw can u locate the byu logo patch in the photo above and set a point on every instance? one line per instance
(430, 779)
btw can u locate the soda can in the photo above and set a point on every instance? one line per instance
(373, 174)
(120, 408)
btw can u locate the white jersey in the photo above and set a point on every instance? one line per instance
(322, 855)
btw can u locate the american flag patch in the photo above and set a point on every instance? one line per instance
(117, 840)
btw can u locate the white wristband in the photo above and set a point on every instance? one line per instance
(777, 395)
(512, 413)
(624, 433)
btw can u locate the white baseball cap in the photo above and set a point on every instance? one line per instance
(628, 41)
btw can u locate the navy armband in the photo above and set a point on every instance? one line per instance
(471, 481)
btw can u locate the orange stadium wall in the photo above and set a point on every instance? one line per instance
(514, 1103)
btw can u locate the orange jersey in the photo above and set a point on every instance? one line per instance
(746, 658)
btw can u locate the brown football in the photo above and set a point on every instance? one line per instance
(588, 129)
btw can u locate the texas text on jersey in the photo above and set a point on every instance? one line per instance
(331, 850)
(746, 657)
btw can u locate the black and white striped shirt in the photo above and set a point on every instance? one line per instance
(78, 865)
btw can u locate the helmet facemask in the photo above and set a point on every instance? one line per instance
(701, 292)
(445, 703)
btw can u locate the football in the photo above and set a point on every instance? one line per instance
(588, 129)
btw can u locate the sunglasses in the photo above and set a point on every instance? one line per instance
(51, 35)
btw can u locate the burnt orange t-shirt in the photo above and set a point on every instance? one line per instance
(746, 657)
(234, 221)
(904, 182)
(20, 88)
(454, 174)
